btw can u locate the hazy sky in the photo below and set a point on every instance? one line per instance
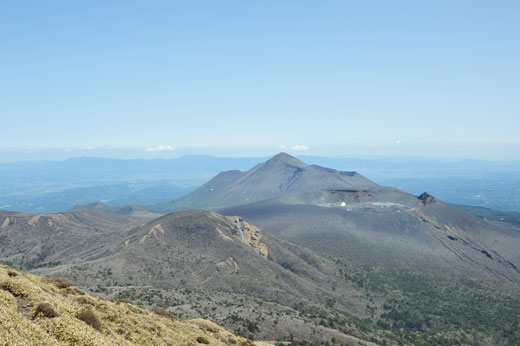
(255, 77)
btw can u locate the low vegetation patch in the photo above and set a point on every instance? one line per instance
(90, 318)
(431, 309)
(46, 310)
(124, 301)
(12, 288)
(85, 301)
(202, 340)
(60, 282)
(163, 313)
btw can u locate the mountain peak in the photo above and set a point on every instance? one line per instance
(426, 198)
(281, 174)
(284, 158)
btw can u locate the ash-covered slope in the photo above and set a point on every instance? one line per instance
(388, 227)
(203, 250)
(384, 272)
(279, 175)
(43, 240)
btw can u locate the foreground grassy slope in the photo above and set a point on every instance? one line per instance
(42, 311)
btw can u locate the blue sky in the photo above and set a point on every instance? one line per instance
(252, 78)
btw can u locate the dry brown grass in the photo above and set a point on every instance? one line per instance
(122, 324)
(124, 301)
(60, 282)
(74, 291)
(85, 301)
(13, 288)
(164, 313)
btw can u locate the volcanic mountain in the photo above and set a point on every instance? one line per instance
(281, 174)
(328, 255)
(388, 227)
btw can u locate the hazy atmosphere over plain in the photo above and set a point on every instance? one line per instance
(165, 78)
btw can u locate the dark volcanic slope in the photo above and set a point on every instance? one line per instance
(198, 249)
(279, 175)
(388, 227)
(203, 249)
(382, 255)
